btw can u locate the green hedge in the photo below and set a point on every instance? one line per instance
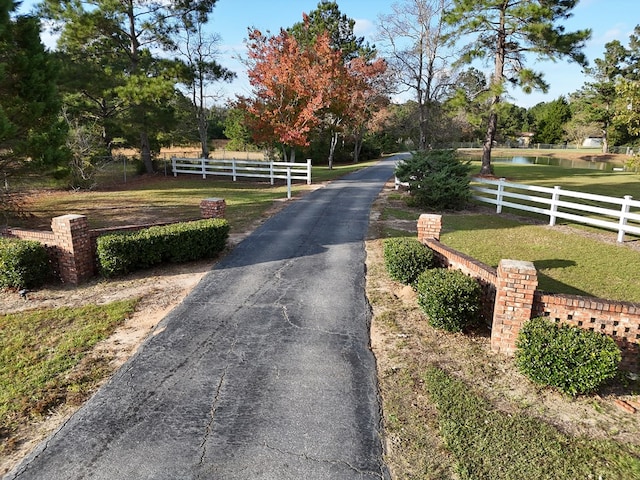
(574, 360)
(121, 253)
(449, 298)
(23, 264)
(406, 258)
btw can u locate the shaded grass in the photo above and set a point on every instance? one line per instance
(493, 445)
(567, 263)
(40, 351)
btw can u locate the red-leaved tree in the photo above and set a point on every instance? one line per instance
(299, 90)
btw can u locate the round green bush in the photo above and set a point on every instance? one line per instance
(574, 360)
(405, 258)
(23, 264)
(437, 179)
(450, 298)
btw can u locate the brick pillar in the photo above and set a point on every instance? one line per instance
(213, 207)
(429, 226)
(515, 287)
(73, 246)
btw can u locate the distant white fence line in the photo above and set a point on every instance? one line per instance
(605, 212)
(244, 168)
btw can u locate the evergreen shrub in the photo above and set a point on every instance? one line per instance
(121, 253)
(23, 264)
(449, 298)
(437, 179)
(574, 360)
(406, 258)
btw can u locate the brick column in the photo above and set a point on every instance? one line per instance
(73, 246)
(429, 226)
(515, 287)
(213, 207)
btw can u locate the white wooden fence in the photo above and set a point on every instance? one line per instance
(598, 210)
(244, 168)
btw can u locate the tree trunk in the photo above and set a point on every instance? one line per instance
(145, 152)
(605, 141)
(357, 148)
(422, 122)
(486, 168)
(203, 131)
(332, 148)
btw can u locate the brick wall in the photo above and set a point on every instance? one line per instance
(510, 298)
(619, 320)
(72, 245)
(448, 258)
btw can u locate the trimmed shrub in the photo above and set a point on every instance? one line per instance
(23, 264)
(450, 298)
(406, 258)
(121, 253)
(437, 179)
(574, 360)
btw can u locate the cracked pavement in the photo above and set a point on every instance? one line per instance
(263, 372)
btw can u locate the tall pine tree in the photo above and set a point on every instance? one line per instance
(31, 132)
(511, 33)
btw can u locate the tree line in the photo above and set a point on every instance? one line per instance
(139, 74)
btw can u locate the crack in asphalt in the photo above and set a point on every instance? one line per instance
(308, 457)
(285, 315)
(214, 404)
(45, 445)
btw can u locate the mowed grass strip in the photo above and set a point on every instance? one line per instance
(566, 262)
(493, 445)
(39, 353)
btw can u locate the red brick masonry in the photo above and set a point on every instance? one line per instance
(72, 244)
(510, 298)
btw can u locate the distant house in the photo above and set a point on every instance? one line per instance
(524, 139)
(594, 142)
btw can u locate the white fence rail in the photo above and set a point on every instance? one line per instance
(597, 210)
(244, 168)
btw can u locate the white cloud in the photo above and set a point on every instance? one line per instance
(364, 27)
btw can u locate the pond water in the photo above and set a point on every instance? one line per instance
(561, 162)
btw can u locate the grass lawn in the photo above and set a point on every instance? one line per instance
(40, 351)
(616, 184)
(566, 262)
(160, 198)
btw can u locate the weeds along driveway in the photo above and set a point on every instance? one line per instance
(264, 371)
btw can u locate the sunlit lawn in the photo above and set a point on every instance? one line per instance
(167, 198)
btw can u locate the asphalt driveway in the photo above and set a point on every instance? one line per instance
(263, 372)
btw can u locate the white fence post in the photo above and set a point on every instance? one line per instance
(624, 210)
(288, 182)
(271, 172)
(499, 195)
(204, 167)
(308, 171)
(233, 168)
(555, 196)
(173, 166)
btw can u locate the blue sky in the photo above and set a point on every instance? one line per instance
(608, 19)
